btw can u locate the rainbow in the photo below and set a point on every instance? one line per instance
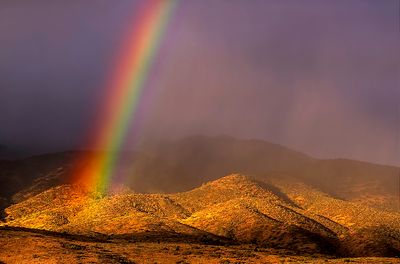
(123, 94)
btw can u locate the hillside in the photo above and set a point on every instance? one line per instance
(372, 184)
(233, 209)
(33, 174)
(187, 163)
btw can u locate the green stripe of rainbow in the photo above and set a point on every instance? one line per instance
(124, 93)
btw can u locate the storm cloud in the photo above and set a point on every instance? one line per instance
(319, 77)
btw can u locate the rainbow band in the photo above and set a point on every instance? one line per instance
(125, 91)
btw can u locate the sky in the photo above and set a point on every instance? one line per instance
(321, 77)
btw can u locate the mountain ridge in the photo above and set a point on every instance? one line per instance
(187, 163)
(237, 208)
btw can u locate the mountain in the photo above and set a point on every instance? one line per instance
(21, 179)
(184, 164)
(233, 209)
(273, 198)
(14, 152)
(373, 184)
(187, 163)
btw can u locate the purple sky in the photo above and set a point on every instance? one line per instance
(321, 77)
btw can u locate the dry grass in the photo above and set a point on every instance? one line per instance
(19, 247)
(236, 208)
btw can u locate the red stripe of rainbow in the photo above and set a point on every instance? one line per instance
(96, 171)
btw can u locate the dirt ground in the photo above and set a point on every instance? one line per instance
(28, 247)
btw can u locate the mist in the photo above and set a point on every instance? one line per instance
(320, 78)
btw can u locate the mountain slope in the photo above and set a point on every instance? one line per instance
(236, 208)
(34, 172)
(187, 163)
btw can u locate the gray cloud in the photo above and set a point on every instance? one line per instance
(321, 77)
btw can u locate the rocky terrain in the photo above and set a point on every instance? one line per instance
(187, 163)
(308, 211)
(233, 210)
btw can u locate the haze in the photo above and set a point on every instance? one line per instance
(321, 77)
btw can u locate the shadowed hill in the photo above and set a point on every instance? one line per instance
(21, 179)
(372, 184)
(7, 153)
(187, 163)
(33, 172)
(176, 166)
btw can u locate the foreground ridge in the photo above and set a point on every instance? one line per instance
(235, 209)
